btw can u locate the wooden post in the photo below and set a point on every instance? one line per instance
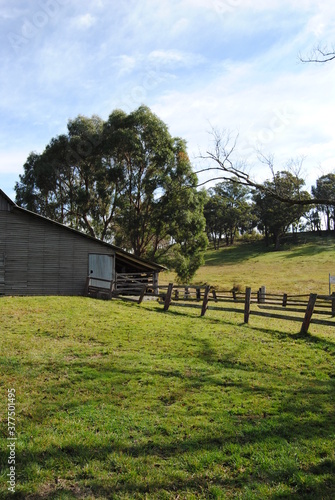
(214, 295)
(176, 294)
(168, 297)
(234, 295)
(333, 304)
(285, 300)
(155, 283)
(258, 296)
(262, 294)
(308, 313)
(144, 289)
(198, 293)
(205, 301)
(247, 304)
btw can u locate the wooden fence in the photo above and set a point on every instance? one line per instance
(133, 283)
(125, 284)
(305, 309)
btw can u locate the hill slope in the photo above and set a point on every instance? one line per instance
(303, 267)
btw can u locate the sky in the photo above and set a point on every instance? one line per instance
(200, 65)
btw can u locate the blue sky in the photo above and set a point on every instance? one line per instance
(198, 64)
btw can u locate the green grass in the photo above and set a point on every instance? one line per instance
(299, 268)
(120, 401)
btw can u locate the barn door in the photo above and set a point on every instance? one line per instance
(101, 267)
(2, 273)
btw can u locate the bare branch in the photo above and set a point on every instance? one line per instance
(228, 170)
(320, 55)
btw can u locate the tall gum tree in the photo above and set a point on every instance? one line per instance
(126, 180)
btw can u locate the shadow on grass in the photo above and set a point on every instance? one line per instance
(301, 413)
(272, 431)
(327, 345)
(235, 254)
(305, 413)
(308, 338)
(310, 249)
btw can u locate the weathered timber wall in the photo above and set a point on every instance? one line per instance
(42, 258)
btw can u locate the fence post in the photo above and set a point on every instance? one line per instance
(285, 300)
(234, 295)
(333, 304)
(308, 313)
(155, 283)
(262, 294)
(205, 301)
(214, 295)
(198, 293)
(168, 297)
(247, 304)
(144, 289)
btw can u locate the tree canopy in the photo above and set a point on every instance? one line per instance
(227, 212)
(276, 216)
(123, 180)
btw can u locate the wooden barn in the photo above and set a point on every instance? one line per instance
(41, 257)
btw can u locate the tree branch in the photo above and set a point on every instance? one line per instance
(320, 55)
(222, 157)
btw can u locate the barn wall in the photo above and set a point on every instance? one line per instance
(42, 258)
(4, 205)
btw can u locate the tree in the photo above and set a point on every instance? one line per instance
(227, 167)
(227, 211)
(125, 180)
(156, 170)
(312, 221)
(325, 188)
(189, 236)
(275, 217)
(213, 212)
(72, 182)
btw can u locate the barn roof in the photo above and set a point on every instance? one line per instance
(118, 251)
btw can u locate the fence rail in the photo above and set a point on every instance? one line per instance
(133, 283)
(278, 306)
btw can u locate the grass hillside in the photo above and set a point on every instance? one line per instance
(120, 401)
(298, 268)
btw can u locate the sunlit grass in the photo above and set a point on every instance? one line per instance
(116, 400)
(299, 268)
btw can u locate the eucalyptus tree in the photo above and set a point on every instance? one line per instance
(275, 216)
(228, 211)
(125, 180)
(325, 188)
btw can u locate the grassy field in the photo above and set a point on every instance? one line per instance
(298, 268)
(120, 401)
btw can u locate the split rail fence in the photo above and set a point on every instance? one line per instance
(306, 309)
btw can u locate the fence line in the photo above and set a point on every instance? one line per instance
(255, 303)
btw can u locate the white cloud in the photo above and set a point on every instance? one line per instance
(85, 21)
(174, 58)
(125, 64)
